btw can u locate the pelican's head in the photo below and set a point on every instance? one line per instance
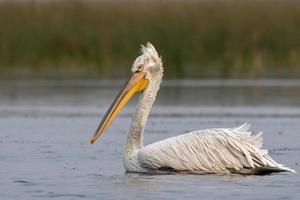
(145, 68)
(149, 62)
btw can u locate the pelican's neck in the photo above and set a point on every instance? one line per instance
(135, 136)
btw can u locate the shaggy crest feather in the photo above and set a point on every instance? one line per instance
(150, 51)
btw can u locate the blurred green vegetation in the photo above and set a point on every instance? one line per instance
(197, 39)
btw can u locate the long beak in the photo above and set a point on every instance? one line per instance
(136, 83)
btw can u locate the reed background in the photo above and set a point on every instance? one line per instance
(197, 39)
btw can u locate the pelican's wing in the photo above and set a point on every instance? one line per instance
(222, 151)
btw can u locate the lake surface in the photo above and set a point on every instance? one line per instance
(46, 125)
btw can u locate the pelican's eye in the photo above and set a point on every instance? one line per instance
(139, 68)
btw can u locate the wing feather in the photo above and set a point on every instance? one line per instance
(220, 151)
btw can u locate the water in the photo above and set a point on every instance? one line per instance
(46, 127)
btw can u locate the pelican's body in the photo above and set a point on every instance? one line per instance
(210, 151)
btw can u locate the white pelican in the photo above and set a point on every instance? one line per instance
(210, 151)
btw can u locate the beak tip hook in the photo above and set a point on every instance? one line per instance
(93, 141)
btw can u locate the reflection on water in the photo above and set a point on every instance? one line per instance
(46, 126)
(91, 98)
(224, 93)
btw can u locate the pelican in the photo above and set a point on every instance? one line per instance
(210, 151)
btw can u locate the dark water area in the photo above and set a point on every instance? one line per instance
(45, 127)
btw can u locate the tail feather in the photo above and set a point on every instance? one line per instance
(269, 170)
(243, 128)
(271, 166)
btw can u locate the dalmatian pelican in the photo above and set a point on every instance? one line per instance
(210, 151)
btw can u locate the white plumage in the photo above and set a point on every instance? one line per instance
(210, 151)
(220, 151)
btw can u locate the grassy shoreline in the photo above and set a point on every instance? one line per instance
(206, 39)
